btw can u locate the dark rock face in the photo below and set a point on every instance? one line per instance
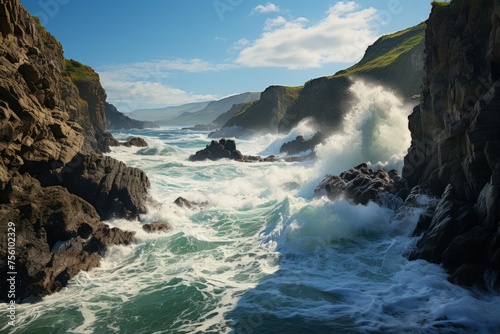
(223, 149)
(54, 183)
(362, 185)
(299, 144)
(58, 234)
(114, 189)
(115, 120)
(455, 141)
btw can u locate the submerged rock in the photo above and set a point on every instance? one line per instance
(157, 227)
(183, 203)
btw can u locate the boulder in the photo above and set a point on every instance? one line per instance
(136, 141)
(183, 203)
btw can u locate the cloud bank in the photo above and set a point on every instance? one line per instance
(342, 36)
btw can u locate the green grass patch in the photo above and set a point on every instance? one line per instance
(245, 108)
(293, 92)
(386, 50)
(79, 72)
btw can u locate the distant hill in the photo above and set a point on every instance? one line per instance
(395, 61)
(210, 112)
(158, 114)
(115, 120)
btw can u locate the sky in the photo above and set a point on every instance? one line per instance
(158, 53)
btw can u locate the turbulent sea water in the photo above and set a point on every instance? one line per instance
(261, 254)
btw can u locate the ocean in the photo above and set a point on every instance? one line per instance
(259, 253)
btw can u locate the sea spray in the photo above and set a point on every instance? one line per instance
(375, 130)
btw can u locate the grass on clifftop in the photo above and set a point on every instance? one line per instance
(78, 72)
(386, 50)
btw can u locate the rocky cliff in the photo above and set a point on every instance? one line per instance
(53, 178)
(266, 113)
(395, 61)
(455, 148)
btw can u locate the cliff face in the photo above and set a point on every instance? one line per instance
(52, 179)
(455, 147)
(395, 61)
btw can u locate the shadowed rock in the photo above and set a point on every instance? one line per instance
(57, 233)
(362, 184)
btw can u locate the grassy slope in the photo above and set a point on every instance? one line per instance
(386, 50)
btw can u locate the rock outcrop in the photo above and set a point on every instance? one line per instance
(299, 144)
(115, 120)
(362, 184)
(55, 185)
(223, 149)
(456, 140)
(58, 234)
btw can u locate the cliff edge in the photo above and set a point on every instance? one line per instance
(56, 187)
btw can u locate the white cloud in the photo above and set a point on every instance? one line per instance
(342, 36)
(132, 95)
(274, 23)
(162, 68)
(143, 84)
(265, 9)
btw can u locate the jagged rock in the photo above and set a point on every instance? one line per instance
(114, 189)
(157, 227)
(455, 141)
(299, 144)
(52, 234)
(362, 184)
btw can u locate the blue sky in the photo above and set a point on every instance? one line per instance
(158, 53)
